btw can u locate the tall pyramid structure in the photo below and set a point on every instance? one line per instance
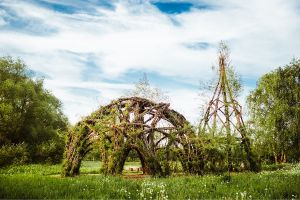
(224, 114)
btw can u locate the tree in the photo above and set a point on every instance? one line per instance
(28, 113)
(143, 89)
(275, 112)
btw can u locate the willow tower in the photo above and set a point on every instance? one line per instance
(224, 114)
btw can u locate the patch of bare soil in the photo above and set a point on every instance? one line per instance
(135, 176)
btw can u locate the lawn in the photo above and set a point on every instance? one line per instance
(44, 181)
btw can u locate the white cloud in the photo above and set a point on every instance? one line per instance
(186, 102)
(137, 36)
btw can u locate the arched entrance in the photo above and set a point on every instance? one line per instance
(133, 164)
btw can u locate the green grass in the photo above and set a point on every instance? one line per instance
(92, 167)
(43, 181)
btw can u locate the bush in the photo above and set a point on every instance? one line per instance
(49, 152)
(14, 154)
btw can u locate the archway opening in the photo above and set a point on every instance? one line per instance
(133, 163)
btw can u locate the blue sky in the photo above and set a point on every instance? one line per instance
(92, 51)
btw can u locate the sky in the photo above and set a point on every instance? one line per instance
(90, 52)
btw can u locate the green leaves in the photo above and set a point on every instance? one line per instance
(274, 107)
(28, 112)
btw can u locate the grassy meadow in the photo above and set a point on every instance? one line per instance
(44, 182)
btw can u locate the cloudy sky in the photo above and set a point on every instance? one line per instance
(91, 51)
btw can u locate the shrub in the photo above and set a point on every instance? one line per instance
(50, 152)
(14, 154)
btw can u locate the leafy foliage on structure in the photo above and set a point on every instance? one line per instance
(157, 133)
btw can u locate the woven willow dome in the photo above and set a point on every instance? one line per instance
(157, 133)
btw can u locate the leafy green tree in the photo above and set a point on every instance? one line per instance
(275, 111)
(28, 112)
